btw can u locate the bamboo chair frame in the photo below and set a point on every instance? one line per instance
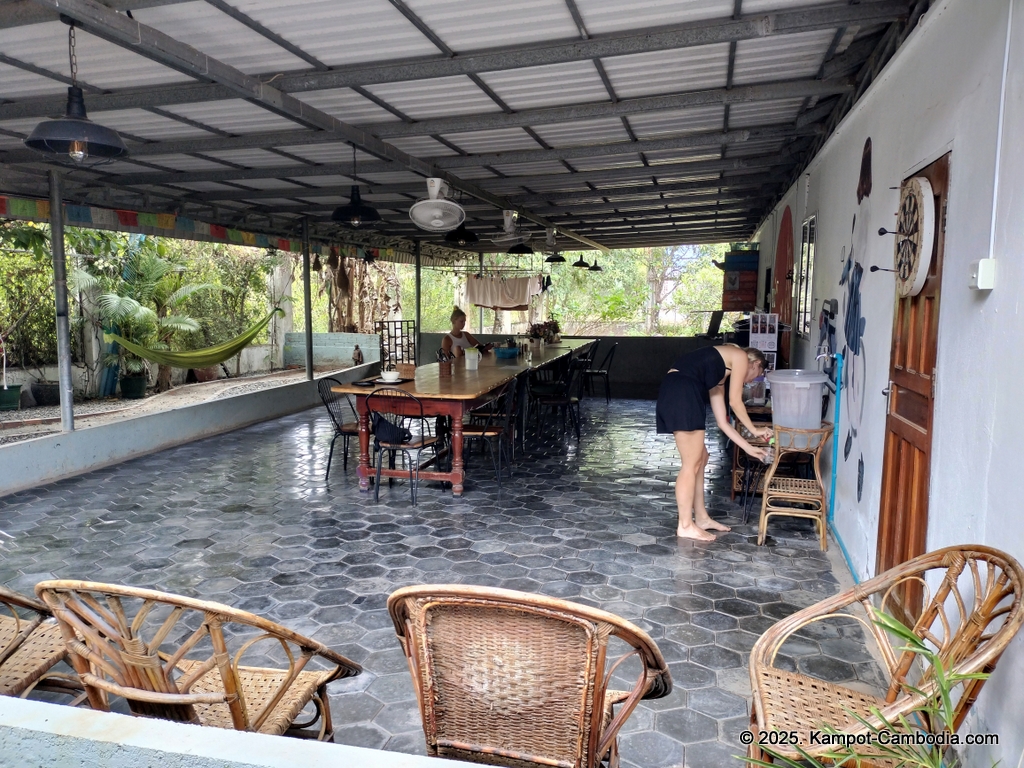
(970, 619)
(115, 635)
(781, 495)
(510, 678)
(30, 646)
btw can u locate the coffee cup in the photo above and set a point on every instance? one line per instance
(390, 376)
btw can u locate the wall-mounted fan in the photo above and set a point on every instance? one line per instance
(437, 213)
(510, 234)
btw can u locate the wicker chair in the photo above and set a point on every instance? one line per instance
(30, 646)
(969, 620)
(343, 416)
(177, 658)
(509, 678)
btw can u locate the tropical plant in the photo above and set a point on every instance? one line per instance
(933, 721)
(143, 303)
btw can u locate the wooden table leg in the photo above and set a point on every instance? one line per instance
(458, 475)
(363, 470)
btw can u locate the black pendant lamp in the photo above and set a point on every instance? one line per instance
(581, 263)
(555, 258)
(461, 236)
(75, 135)
(522, 249)
(595, 267)
(355, 213)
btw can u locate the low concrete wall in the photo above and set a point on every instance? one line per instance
(330, 349)
(30, 463)
(639, 366)
(34, 734)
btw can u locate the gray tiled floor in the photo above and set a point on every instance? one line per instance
(246, 519)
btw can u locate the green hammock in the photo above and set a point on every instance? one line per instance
(199, 358)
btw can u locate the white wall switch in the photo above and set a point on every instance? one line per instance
(983, 274)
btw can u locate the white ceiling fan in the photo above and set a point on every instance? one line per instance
(511, 234)
(437, 213)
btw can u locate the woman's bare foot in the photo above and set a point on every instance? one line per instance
(693, 532)
(714, 525)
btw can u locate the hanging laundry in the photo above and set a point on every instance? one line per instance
(512, 293)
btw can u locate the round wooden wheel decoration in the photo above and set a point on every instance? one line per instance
(914, 236)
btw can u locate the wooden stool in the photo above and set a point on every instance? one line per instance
(792, 496)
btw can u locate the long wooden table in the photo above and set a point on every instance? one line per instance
(452, 396)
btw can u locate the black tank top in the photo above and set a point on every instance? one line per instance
(705, 365)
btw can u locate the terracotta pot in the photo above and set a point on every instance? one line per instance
(207, 374)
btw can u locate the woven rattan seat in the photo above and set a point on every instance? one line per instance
(964, 602)
(510, 678)
(791, 496)
(178, 658)
(30, 643)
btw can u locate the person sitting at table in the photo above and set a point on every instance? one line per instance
(457, 341)
(695, 381)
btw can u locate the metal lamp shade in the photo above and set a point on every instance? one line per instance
(555, 258)
(75, 135)
(521, 249)
(356, 213)
(581, 263)
(461, 236)
(595, 267)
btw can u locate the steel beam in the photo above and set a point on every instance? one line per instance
(19, 13)
(99, 20)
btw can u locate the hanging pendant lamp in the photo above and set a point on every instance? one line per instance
(461, 236)
(521, 249)
(355, 213)
(75, 135)
(581, 263)
(595, 267)
(555, 258)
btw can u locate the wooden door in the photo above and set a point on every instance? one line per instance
(782, 299)
(903, 518)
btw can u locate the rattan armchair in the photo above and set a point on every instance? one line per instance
(510, 678)
(177, 658)
(30, 646)
(968, 602)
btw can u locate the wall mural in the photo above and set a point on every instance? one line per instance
(854, 322)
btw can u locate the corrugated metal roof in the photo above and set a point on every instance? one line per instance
(347, 106)
(469, 25)
(100, 63)
(341, 33)
(568, 102)
(689, 69)
(207, 29)
(800, 55)
(553, 85)
(581, 132)
(233, 116)
(677, 122)
(503, 140)
(602, 16)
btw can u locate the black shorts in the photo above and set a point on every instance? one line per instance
(682, 404)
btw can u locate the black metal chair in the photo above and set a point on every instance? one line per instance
(398, 426)
(343, 416)
(563, 399)
(497, 432)
(602, 371)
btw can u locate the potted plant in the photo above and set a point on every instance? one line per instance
(10, 395)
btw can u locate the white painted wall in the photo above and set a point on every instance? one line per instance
(940, 93)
